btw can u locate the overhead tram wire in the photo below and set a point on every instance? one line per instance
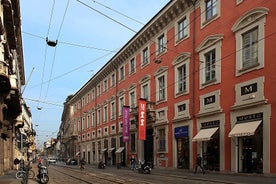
(55, 51)
(71, 44)
(45, 53)
(107, 16)
(120, 13)
(75, 69)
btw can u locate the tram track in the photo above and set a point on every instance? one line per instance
(92, 178)
(120, 177)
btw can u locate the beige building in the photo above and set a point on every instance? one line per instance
(15, 116)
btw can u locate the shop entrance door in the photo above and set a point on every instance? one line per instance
(183, 153)
(148, 146)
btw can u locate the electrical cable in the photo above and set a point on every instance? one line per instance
(120, 13)
(71, 44)
(107, 16)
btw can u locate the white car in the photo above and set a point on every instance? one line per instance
(52, 160)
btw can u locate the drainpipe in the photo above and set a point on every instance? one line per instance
(194, 59)
(193, 66)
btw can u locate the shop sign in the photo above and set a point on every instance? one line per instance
(252, 88)
(209, 100)
(250, 117)
(180, 132)
(210, 124)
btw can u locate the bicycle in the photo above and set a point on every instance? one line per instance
(20, 173)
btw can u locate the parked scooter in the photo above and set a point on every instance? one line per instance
(143, 168)
(42, 175)
(101, 165)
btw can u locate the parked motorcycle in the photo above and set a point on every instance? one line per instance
(42, 175)
(101, 165)
(144, 168)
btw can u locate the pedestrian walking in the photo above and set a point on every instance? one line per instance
(132, 162)
(82, 163)
(198, 164)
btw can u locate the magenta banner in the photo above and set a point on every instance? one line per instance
(126, 123)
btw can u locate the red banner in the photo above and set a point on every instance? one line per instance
(142, 116)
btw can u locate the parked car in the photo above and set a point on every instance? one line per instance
(71, 161)
(52, 160)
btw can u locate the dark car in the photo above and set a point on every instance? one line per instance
(71, 161)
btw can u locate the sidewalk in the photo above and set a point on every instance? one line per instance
(9, 178)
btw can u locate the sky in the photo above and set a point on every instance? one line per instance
(87, 34)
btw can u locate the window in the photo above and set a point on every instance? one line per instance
(99, 117)
(88, 98)
(132, 143)
(182, 28)
(181, 110)
(93, 120)
(98, 90)
(210, 70)
(250, 48)
(113, 80)
(249, 33)
(161, 114)
(93, 94)
(132, 66)
(105, 114)
(82, 102)
(121, 104)
(161, 88)
(122, 73)
(211, 9)
(105, 85)
(161, 84)
(145, 56)
(210, 60)
(181, 73)
(161, 44)
(83, 123)
(162, 139)
(88, 121)
(112, 110)
(181, 78)
(145, 92)
(132, 98)
(79, 125)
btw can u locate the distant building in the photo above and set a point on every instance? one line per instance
(206, 70)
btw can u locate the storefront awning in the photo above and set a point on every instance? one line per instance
(119, 150)
(244, 129)
(111, 149)
(205, 134)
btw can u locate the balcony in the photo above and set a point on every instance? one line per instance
(4, 77)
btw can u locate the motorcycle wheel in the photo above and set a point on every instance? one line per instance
(147, 171)
(44, 179)
(19, 174)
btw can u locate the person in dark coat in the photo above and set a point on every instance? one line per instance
(198, 164)
(132, 162)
